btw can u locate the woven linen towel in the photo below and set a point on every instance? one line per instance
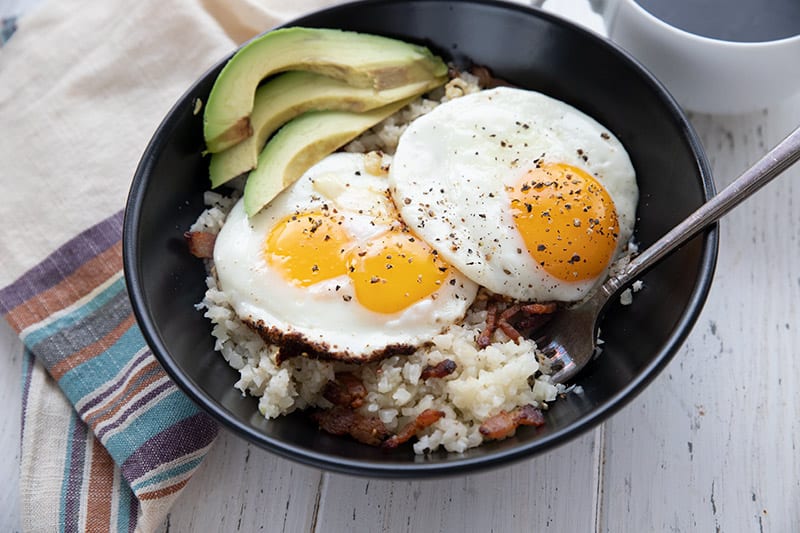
(108, 441)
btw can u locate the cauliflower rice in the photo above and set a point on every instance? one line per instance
(500, 377)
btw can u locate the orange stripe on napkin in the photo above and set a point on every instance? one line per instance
(71, 289)
(160, 493)
(93, 350)
(101, 485)
(126, 392)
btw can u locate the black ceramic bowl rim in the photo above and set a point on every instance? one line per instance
(423, 468)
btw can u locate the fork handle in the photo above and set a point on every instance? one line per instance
(781, 157)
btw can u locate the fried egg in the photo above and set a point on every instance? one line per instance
(328, 269)
(524, 194)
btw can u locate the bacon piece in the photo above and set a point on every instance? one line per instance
(509, 313)
(510, 331)
(485, 338)
(201, 243)
(536, 315)
(533, 315)
(439, 370)
(533, 322)
(539, 309)
(503, 323)
(346, 390)
(344, 421)
(423, 420)
(505, 423)
(486, 79)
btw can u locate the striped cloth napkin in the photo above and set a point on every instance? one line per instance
(108, 441)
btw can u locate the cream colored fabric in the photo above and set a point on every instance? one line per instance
(47, 422)
(84, 86)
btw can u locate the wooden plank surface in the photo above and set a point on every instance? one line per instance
(554, 492)
(243, 488)
(10, 403)
(240, 487)
(711, 445)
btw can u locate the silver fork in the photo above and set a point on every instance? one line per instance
(569, 339)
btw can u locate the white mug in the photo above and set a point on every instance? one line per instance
(704, 74)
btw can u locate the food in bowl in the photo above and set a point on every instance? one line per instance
(361, 60)
(525, 195)
(391, 286)
(328, 269)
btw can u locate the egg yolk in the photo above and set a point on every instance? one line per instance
(567, 220)
(307, 248)
(390, 273)
(395, 271)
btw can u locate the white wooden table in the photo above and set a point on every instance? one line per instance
(711, 445)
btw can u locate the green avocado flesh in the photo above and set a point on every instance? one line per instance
(360, 60)
(289, 95)
(302, 143)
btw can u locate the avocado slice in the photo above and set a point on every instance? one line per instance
(302, 143)
(291, 94)
(361, 60)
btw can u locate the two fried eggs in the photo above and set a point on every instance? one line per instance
(505, 189)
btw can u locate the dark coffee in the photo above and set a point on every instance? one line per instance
(730, 20)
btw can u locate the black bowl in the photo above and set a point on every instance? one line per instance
(531, 49)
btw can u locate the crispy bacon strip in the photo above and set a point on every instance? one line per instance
(536, 315)
(510, 331)
(439, 370)
(504, 424)
(485, 338)
(346, 390)
(532, 322)
(423, 420)
(533, 315)
(504, 324)
(201, 243)
(539, 309)
(486, 79)
(344, 421)
(509, 313)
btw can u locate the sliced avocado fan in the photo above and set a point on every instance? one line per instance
(302, 143)
(361, 60)
(288, 95)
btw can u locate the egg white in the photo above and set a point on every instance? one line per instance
(328, 313)
(452, 165)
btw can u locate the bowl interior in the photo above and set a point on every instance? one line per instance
(530, 49)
